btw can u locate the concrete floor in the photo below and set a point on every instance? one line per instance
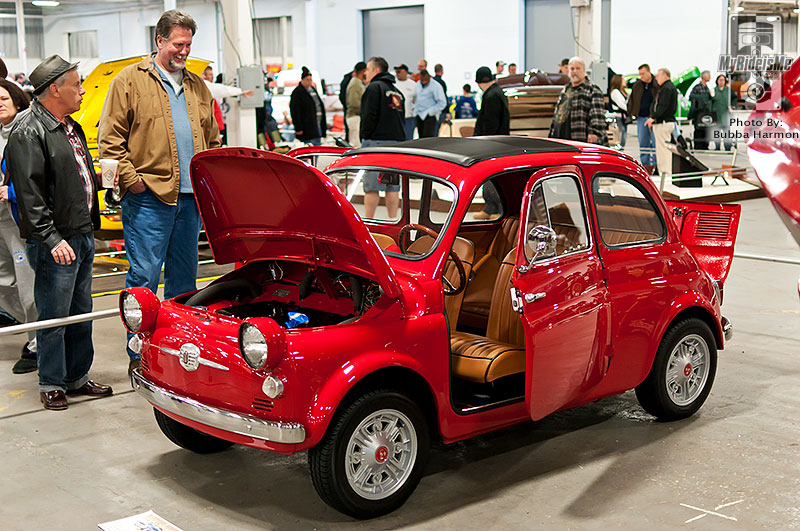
(606, 465)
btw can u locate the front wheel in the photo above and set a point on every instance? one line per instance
(372, 456)
(189, 438)
(682, 373)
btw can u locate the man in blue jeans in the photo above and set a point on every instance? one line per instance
(52, 173)
(642, 96)
(157, 115)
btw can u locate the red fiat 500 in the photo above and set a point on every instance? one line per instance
(438, 288)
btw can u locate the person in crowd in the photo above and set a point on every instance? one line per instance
(267, 131)
(382, 122)
(221, 91)
(355, 89)
(343, 91)
(563, 66)
(161, 223)
(308, 112)
(499, 68)
(51, 170)
(580, 112)
(438, 71)
(662, 119)
(618, 98)
(465, 104)
(721, 104)
(700, 111)
(422, 64)
(409, 90)
(16, 272)
(493, 119)
(641, 99)
(430, 103)
(512, 69)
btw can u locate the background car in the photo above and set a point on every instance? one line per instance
(362, 340)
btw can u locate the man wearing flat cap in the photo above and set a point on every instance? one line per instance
(50, 166)
(156, 117)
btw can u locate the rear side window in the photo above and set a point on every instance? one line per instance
(625, 215)
(556, 203)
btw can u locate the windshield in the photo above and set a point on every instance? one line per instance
(389, 200)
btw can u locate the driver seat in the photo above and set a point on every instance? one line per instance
(465, 250)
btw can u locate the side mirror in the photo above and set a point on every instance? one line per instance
(545, 244)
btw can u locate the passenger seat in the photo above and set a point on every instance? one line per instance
(502, 352)
(478, 298)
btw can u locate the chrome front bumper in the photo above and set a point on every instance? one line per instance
(727, 328)
(222, 419)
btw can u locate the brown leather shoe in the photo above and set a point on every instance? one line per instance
(55, 400)
(92, 389)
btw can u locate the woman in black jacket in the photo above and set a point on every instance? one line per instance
(308, 111)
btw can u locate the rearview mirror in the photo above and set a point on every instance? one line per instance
(544, 240)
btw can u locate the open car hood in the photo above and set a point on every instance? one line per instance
(262, 205)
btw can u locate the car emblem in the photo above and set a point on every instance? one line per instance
(189, 356)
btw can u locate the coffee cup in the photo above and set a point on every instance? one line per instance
(108, 172)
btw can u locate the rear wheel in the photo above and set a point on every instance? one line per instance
(189, 438)
(683, 372)
(372, 456)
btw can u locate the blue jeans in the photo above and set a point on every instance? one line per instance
(410, 125)
(315, 141)
(158, 234)
(647, 144)
(373, 143)
(623, 130)
(65, 353)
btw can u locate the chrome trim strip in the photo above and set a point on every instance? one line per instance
(727, 328)
(223, 419)
(202, 361)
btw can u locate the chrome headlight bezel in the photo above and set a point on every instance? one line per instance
(253, 345)
(131, 312)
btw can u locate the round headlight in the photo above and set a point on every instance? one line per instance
(131, 312)
(253, 345)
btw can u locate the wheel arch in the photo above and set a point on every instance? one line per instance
(704, 315)
(400, 377)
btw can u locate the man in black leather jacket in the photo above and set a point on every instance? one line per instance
(50, 166)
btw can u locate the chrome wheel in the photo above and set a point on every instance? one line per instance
(381, 454)
(687, 370)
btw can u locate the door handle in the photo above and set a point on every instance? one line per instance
(533, 297)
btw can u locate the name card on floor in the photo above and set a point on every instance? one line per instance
(148, 521)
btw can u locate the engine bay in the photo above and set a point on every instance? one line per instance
(295, 295)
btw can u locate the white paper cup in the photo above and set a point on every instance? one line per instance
(108, 172)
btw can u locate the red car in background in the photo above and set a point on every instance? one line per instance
(773, 146)
(361, 340)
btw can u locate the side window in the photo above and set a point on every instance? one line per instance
(321, 161)
(557, 203)
(442, 198)
(486, 205)
(625, 216)
(375, 194)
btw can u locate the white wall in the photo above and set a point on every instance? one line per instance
(677, 34)
(461, 35)
(125, 33)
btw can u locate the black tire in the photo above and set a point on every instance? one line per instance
(656, 396)
(189, 438)
(328, 461)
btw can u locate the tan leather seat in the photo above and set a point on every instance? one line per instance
(478, 298)
(383, 240)
(465, 250)
(502, 352)
(620, 224)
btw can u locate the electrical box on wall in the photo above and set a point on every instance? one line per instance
(251, 78)
(599, 74)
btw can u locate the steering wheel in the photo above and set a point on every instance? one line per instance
(448, 287)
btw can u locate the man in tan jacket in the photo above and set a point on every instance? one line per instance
(156, 117)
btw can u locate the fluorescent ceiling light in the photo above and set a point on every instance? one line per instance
(796, 10)
(772, 19)
(45, 3)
